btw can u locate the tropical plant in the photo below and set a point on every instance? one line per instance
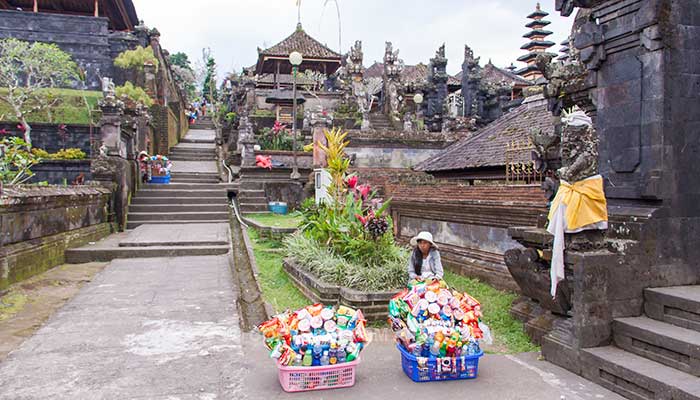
(15, 161)
(209, 86)
(275, 138)
(27, 70)
(136, 58)
(134, 93)
(351, 233)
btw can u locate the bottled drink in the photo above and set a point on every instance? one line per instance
(332, 355)
(435, 349)
(325, 359)
(308, 358)
(297, 360)
(317, 354)
(341, 355)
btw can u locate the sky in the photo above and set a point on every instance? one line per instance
(234, 29)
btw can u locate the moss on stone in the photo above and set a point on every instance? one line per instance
(11, 304)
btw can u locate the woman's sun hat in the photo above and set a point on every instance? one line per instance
(427, 236)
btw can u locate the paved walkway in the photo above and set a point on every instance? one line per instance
(155, 328)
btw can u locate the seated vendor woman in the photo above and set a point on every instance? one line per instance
(425, 261)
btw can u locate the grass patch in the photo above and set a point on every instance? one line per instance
(11, 303)
(291, 220)
(507, 332)
(277, 287)
(70, 109)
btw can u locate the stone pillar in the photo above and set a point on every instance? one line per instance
(246, 142)
(320, 121)
(110, 126)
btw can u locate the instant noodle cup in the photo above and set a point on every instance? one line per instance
(443, 298)
(458, 314)
(304, 325)
(434, 309)
(447, 310)
(316, 322)
(329, 326)
(303, 314)
(423, 304)
(430, 296)
(327, 313)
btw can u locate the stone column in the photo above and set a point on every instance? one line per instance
(246, 142)
(110, 127)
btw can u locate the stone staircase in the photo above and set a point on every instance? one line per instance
(655, 356)
(193, 196)
(380, 122)
(251, 197)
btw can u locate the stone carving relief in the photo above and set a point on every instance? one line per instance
(393, 66)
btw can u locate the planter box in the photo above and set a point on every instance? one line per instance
(374, 305)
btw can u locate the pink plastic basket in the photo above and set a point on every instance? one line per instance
(301, 379)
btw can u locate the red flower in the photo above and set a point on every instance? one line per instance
(352, 182)
(21, 127)
(4, 132)
(361, 218)
(364, 190)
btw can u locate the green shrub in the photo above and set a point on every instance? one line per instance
(15, 161)
(63, 154)
(136, 58)
(134, 93)
(385, 273)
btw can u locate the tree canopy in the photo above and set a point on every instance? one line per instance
(28, 68)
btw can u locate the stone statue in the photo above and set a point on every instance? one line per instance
(107, 87)
(407, 123)
(579, 146)
(354, 61)
(560, 76)
(436, 91)
(393, 66)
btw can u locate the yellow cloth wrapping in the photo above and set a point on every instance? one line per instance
(585, 202)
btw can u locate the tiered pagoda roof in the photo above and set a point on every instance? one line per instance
(564, 50)
(537, 44)
(316, 55)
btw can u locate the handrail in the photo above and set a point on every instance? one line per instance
(235, 211)
(230, 173)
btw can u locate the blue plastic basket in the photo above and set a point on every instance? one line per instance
(160, 179)
(466, 367)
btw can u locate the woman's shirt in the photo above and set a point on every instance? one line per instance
(431, 267)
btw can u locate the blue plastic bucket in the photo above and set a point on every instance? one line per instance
(277, 207)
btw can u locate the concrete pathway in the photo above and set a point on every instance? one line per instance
(155, 328)
(380, 377)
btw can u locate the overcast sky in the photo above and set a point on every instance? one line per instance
(234, 29)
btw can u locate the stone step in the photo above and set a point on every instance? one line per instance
(636, 377)
(252, 207)
(192, 158)
(178, 208)
(193, 140)
(189, 186)
(136, 224)
(246, 193)
(195, 180)
(180, 193)
(678, 305)
(176, 216)
(84, 255)
(178, 200)
(667, 344)
(178, 152)
(253, 200)
(247, 184)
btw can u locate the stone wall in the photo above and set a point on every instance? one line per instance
(469, 223)
(39, 223)
(86, 39)
(56, 171)
(45, 136)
